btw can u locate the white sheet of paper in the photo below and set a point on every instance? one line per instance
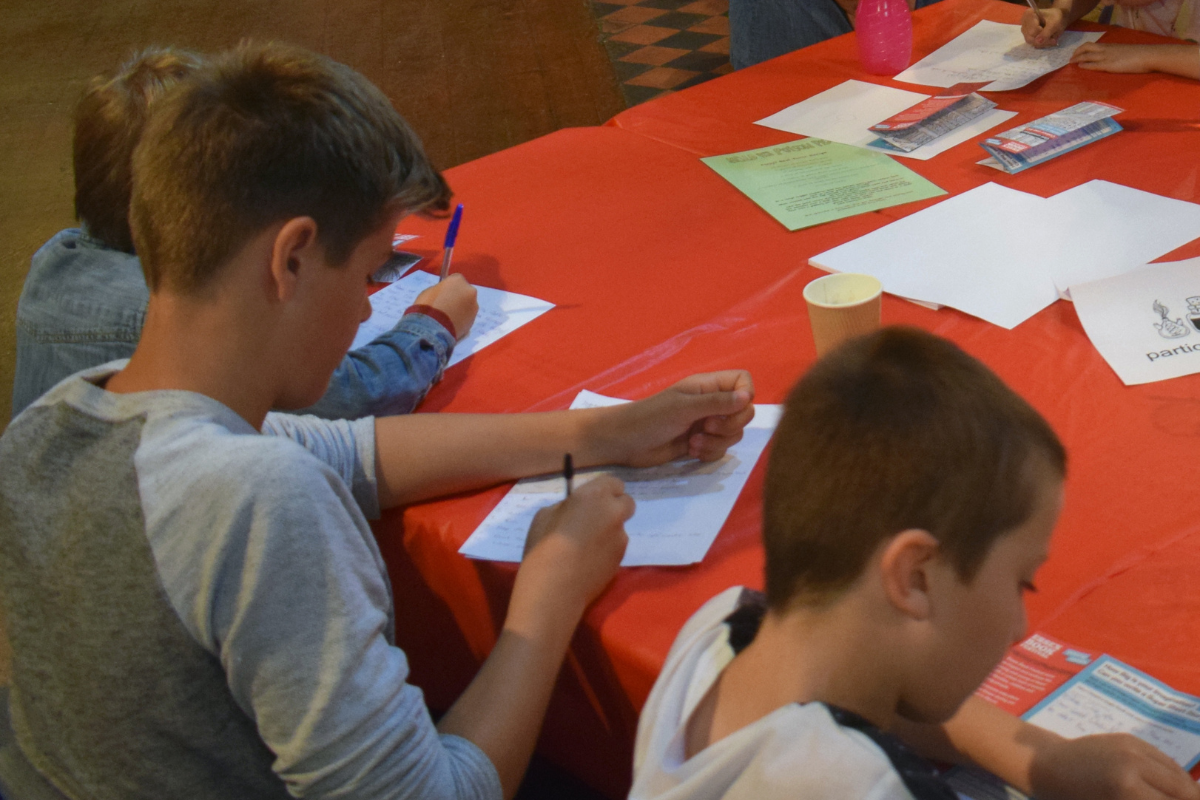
(1108, 229)
(843, 114)
(961, 253)
(681, 506)
(993, 51)
(500, 313)
(1140, 342)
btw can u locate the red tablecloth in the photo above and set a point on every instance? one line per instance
(659, 268)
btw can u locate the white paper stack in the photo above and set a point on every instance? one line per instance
(844, 113)
(963, 253)
(1003, 255)
(1107, 229)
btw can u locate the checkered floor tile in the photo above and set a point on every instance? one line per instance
(661, 46)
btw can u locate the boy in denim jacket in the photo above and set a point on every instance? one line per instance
(84, 299)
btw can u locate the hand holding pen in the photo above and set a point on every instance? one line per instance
(451, 236)
(1041, 27)
(1037, 12)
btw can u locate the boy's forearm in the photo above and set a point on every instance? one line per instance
(983, 735)
(501, 711)
(997, 741)
(429, 455)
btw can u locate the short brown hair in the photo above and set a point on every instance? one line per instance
(109, 120)
(893, 431)
(262, 134)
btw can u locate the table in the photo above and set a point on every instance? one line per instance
(659, 269)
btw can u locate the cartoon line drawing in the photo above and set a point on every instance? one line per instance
(1194, 311)
(1168, 328)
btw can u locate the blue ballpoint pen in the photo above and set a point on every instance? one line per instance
(451, 235)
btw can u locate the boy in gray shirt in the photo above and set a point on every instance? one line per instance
(196, 604)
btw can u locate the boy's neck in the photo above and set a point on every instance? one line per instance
(835, 654)
(202, 346)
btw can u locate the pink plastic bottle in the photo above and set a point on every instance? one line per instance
(884, 35)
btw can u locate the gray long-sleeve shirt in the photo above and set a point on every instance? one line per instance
(200, 610)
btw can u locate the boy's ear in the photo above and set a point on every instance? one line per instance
(294, 250)
(905, 570)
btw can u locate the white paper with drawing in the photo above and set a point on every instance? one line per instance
(993, 51)
(1146, 323)
(681, 506)
(844, 113)
(500, 313)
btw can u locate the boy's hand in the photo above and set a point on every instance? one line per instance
(455, 298)
(1113, 766)
(701, 417)
(1115, 57)
(1039, 36)
(573, 550)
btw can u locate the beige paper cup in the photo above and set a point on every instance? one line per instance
(842, 306)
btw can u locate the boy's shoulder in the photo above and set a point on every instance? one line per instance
(800, 750)
(180, 443)
(812, 750)
(77, 283)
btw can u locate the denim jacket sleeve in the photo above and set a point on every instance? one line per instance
(391, 375)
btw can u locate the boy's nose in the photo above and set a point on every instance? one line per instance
(366, 308)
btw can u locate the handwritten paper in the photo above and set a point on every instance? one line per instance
(844, 113)
(961, 253)
(681, 506)
(1075, 693)
(1111, 697)
(995, 52)
(1146, 323)
(500, 313)
(812, 181)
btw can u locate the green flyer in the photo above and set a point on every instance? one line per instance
(811, 181)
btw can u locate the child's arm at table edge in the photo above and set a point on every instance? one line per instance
(422, 456)
(1181, 59)
(1037, 761)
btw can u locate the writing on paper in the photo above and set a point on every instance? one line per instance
(994, 53)
(681, 506)
(500, 313)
